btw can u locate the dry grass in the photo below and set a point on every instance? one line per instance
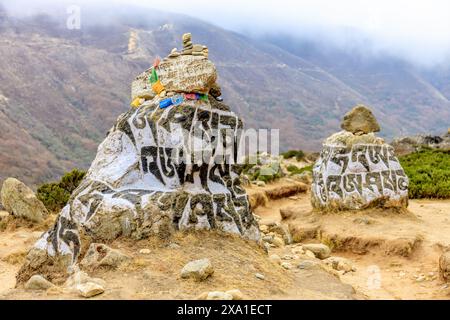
(12, 223)
(15, 258)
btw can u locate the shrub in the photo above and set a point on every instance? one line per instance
(428, 172)
(296, 170)
(55, 195)
(298, 154)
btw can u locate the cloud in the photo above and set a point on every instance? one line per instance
(416, 30)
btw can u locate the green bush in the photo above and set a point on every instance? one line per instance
(296, 170)
(298, 154)
(429, 173)
(55, 195)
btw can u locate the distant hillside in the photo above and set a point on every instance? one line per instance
(61, 90)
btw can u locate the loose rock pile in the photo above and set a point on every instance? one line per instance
(357, 170)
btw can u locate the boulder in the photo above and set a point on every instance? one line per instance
(147, 179)
(360, 120)
(444, 266)
(78, 278)
(304, 231)
(340, 264)
(358, 172)
(90, 289)
(100, 255)
(320, 250)
(198, 270)
(20, 200)
(38, 282)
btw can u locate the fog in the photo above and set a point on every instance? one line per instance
(418, 31)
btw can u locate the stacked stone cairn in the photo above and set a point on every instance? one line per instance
(146, 179)
(358, 170)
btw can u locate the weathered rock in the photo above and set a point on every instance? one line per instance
(444, 266)
(282, 231)
(144, 182)
(275, 258)
(4, 214)
(358, 172)
(308, 265)
(260, 276)
(340, 264)
(320, 250)
(90, 289)
(198, 270)
(277, 242)
(79, 278)
(100, 255)
(21, 201)
(38, 282)
(286, 265)
(219, 295)
(184, 73)
(303, 232)
(360, 120)
(298, 250)
(236, 294)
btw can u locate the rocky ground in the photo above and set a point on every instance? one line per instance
(393, 255)
(373, 255)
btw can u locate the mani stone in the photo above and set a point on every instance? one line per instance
(145, 181)
(356, 172)
(360, 120)
(20, 201)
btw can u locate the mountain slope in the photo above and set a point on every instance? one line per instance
(61, 90)
(405, 98)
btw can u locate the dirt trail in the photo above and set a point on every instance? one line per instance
(401, 251)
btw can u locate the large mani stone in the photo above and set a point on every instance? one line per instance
(136, 186)
(360, 120)
(357, 172)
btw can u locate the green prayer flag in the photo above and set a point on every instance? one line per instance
(153, 76)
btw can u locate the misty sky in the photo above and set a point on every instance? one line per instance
(415, 30)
